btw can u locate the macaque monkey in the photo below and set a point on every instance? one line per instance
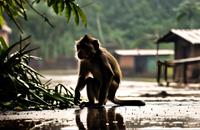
(100, 72)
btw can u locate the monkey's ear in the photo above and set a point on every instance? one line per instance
(86, 36)
(77, 41)
(96, 44)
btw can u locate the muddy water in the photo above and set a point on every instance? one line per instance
(178, 110)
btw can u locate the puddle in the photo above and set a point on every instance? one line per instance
(154, 115)
(171, 112)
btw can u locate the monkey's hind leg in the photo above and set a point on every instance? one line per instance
(111, 96)
(112, 91)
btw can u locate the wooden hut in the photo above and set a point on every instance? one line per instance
(140, 62)
(186, 61)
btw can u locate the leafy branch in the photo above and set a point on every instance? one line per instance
(14, 8)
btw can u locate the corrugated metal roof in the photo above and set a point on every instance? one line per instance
(190, 35)
(144, 52)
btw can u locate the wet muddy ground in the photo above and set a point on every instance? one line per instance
(166, 108)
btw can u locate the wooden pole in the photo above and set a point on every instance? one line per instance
(158, 64)
(185, 73)
(159, 71)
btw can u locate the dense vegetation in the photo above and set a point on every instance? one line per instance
(118, 23)
(21, 86)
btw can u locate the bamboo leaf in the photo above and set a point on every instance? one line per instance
(31, 69)
(75, 13)
(38, 98)
(37, 1)
(1, 17)
(21, 9)
(35, 57)
(68, 11)
(60, 7)
(55, 7)
(2, 56)
(3, 43)
(50, 2)
(82, 15)
(22, 82)
(54, 96)
(27, 51)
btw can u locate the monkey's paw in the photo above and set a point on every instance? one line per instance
(96, 106)
(90, 105)
(84, 104)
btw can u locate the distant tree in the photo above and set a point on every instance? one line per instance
(123, 23)
(188, 13)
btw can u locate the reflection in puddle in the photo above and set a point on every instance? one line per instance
(101, 119)
(70, 128)
(163, 116)
(112, 120)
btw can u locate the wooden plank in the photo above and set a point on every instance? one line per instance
(186, 60)
(167, 64)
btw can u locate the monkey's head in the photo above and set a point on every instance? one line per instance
(87, 47)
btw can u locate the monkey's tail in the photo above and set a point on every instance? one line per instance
(128, 102)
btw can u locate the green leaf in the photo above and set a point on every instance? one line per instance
(23, 83)
(38, 1)
(31, 69)
(1, 19)
(82, 15)
(7, 51)
(75, 13)
(38, 98)
(3, 43)
(55, 7)
(21, 9)
(60, 7)
(67, 11)
(54, 96)
(50, 2)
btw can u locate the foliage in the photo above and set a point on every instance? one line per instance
(123, 24)
(15, 8)
(188, 11)
(21, 87)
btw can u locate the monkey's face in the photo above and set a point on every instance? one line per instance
(86, 48)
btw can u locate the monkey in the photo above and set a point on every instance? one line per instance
(100, 72)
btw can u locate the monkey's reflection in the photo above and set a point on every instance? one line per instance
(101, 119)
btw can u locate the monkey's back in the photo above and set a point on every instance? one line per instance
(114, 65)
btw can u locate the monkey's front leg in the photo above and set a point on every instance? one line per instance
(103, 94)
(80, 85)
(77, 97)
(93, 88)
